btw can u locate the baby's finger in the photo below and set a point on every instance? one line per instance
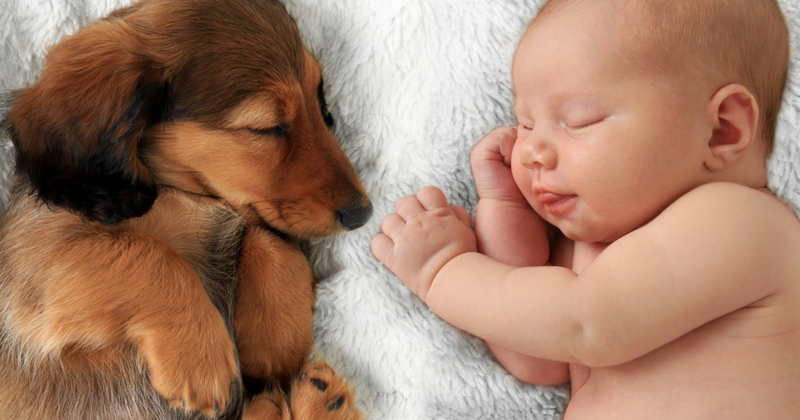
(382, 248)
(392, 225)
(432, 198)
(496, 146)
(462, 215)
(408, 207)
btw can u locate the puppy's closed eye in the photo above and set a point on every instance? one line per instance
(280, 130)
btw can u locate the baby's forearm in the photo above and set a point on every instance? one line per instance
(511, 234)
(527, 310)
(517, 236)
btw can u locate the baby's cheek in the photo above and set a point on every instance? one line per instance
(523, 178)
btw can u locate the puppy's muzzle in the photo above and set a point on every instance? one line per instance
(354, 216)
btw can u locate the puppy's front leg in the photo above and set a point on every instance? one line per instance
(274, 303)
(184, 339)
(74, 285)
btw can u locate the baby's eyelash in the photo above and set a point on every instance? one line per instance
(582, 125)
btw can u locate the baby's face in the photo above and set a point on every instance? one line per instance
(601, 149)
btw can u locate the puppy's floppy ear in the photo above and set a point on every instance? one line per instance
(76, 131)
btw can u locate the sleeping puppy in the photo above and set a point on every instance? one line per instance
(167, 158)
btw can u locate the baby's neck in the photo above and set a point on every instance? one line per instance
(574, 255)
(584, 253)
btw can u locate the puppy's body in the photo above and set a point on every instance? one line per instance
(72, 292)
(166, 158)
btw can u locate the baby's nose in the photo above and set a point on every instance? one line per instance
(537, 151)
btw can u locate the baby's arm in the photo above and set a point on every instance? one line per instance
(705, 256)
(510, 231)
(695, 262)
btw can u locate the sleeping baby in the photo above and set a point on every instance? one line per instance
(624, 240)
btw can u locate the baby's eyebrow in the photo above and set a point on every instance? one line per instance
(577, 104)
(583, 101)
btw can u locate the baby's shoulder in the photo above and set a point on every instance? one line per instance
(729, 197)
(747, 230)
(721, 206)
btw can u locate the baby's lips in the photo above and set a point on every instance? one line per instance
(547, 197)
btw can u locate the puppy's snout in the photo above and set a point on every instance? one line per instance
(353, 217)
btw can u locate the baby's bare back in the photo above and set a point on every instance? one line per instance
(744, 365)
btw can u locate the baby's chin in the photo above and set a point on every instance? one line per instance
(591, 234)
(588, 225)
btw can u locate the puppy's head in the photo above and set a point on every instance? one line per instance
(215, 98)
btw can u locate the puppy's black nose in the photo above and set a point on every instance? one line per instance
(352, 218)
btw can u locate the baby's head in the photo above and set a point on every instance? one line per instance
(695, 45)
(623, 106)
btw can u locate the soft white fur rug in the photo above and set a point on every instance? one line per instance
(413, 85)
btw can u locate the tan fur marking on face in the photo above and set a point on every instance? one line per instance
(259, 112)
(278, 104)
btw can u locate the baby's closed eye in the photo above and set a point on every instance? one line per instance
(577, 115)
(583, 122)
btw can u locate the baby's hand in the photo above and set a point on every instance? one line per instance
(507, 227)
(491, 166)
(424, 235)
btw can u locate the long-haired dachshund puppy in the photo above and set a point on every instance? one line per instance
(167, 158)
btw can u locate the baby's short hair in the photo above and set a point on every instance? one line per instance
(707, 41)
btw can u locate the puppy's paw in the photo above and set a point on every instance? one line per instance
(271, 405)
(194, 374)
(320, 394)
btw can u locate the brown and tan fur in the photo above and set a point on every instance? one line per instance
(168, 157)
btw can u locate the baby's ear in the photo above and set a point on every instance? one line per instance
(735, 126)
(76, 132)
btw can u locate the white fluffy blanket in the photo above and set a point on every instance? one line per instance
(413, 85)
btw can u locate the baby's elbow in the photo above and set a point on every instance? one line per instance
(598, 359)
(550, 377)
(598, 348)
(545, 372)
